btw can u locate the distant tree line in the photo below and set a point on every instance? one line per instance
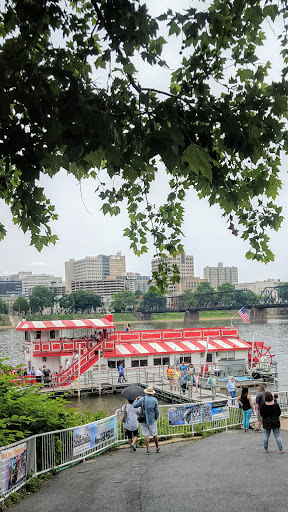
(43, 298)
(86, 300)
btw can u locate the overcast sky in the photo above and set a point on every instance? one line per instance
(84, 231)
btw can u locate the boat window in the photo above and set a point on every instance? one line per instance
(165, 360)
(27, 336)
(121, 361)
(52, 335)
(187, 359)
(38, 335)
(209, 358)
(231, 354)
(135, 363)
(157, 361)
(143, 362)
(111, 364)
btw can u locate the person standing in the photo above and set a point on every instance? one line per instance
(39, 376)
(131, 424)
(32, 371)
(212, 382)
(189, 377)
(196, 378)
(170, 375)
(67, 364)
(183, 368)
(176, 378)
(245, 401)
(149, 406)
(231, 386)
(182, 382)
(270, 414)
(121, 377)
(260, 399)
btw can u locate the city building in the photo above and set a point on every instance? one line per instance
(104, 288)
(22, 284)
(260, 287)
(94, 268)
(30, 281)
(135, 281)
(117, 265)
(188, 283)
(220, 274)
(184, 263)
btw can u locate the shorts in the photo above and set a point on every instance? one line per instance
(132, 433)
(146, 429)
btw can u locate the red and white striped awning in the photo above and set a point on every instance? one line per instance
(172, 347)
(48, 325)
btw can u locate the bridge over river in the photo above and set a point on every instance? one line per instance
(270, 298)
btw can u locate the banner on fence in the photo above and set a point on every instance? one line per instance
(13, 467)
(93, 435)
(193, 414)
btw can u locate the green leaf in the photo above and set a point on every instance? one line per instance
(198, 160)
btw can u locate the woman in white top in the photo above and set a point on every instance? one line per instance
(131, 424)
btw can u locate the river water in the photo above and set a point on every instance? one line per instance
(273, 333)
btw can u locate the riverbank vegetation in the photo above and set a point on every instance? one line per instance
(25, 411)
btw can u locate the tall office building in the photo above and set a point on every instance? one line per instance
(185, 265)
(220, 274)
(117, 265)
(94, 268)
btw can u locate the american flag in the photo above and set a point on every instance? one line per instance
(244, 315)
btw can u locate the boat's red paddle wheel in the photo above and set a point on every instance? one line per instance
(262, 354)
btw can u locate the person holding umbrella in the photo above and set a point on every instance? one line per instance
(131, 415)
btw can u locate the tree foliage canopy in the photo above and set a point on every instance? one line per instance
(218, 126)
(21, 305)
(123, 301)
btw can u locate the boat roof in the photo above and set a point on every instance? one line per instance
(130, 349)
(48, 325)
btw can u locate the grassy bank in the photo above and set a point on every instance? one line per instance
(204, 315)
(4, 321)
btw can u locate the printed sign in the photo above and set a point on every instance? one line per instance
(82, 439)
(93, 435)
(193, 414)
(13, 467)
(104, 431)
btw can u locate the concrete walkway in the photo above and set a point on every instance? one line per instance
(226, 472)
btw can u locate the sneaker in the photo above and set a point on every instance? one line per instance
(147, 452)
(257, 429)
(133, 447)
(158, 449)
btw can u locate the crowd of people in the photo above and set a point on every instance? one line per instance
(183, 377)
(268, 414)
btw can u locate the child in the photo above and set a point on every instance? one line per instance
(131, 424)
(196, 378)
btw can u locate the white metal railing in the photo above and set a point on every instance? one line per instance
(42, 452)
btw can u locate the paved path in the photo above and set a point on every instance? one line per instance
(227, 472)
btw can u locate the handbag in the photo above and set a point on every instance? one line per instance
(142, 416)
(123, 414)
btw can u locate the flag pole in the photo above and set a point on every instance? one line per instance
(231, 325)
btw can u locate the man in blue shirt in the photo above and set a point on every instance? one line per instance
(149, 406)
(183, 368)
(121, 377)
